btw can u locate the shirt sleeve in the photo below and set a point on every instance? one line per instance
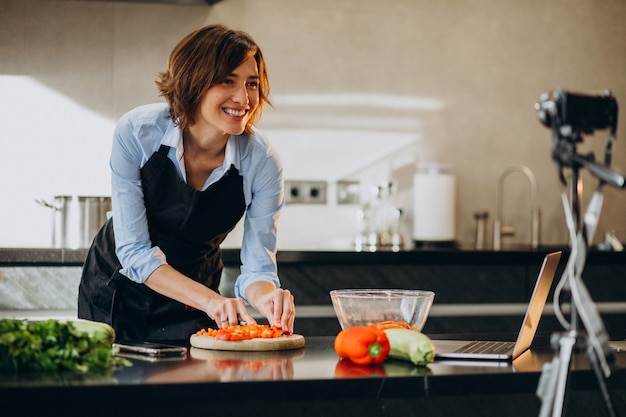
(258, 249)
(133, 246)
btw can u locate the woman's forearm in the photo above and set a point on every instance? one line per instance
(225, 311)
(169, 282)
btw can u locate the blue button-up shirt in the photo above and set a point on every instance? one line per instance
(139, 134)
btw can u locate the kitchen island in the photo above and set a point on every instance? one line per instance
(479, 293)
(311, 381)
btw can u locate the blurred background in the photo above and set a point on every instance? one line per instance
(364, 91)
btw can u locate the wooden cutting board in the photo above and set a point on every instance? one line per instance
(294, 341)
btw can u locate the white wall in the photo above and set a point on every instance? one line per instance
(363, 89)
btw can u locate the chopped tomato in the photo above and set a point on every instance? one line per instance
(243, 332)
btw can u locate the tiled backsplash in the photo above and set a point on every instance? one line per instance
(39, 288)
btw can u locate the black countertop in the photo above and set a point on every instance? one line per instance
(309, 381)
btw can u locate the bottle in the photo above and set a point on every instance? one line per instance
(397, 240)
(366, 237)
(363, 216)
(388, 217)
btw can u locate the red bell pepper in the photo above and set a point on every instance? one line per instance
(362, 345)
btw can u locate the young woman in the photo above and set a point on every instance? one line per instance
(184, 173)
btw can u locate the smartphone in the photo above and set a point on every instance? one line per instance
(150, 348)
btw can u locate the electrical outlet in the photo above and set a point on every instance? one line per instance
(305, 192)
(293, 192)
(348, 192)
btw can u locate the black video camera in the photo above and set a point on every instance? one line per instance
(574, 114)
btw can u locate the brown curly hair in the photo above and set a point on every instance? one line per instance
(202, 59)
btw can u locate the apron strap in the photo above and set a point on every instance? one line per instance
(163, 150)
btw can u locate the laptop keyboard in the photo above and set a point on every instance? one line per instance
(486, 347)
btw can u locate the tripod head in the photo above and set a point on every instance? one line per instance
(570, 116)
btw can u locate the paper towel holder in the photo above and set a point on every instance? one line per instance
(440, 205)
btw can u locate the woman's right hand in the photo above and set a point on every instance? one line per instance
(225, 311)
(228, 312)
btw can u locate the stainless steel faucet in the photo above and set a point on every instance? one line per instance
(500, 230)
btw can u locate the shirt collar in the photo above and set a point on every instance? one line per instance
(180, 150)
(172, 135)
(229, 155)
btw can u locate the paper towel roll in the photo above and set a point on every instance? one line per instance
(434, 207)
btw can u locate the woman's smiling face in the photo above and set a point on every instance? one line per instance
(227, 105)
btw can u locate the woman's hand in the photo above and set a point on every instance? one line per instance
(228, 311)
(225, 311)
(276, 304)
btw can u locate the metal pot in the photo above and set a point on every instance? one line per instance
(76, 219)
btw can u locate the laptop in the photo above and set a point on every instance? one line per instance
(500, 350)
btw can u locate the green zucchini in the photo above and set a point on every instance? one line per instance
(410, 345)
(95, 330)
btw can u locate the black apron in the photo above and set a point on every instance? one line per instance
(188, 225)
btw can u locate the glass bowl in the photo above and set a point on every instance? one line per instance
(360, 307)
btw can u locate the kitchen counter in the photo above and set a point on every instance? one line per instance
(306, 382)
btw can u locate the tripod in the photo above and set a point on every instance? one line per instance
(592, 338)
(554, 376)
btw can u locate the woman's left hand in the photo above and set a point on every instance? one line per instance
(276, 304)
